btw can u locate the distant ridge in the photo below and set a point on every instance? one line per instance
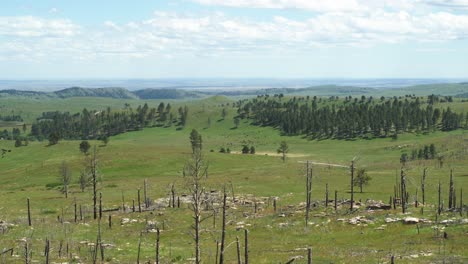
(108, 92)
(166, 94)
(452, 89)
(118, 93)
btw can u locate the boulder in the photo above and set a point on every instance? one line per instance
(411, 220)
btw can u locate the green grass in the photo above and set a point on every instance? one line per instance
(159, 154)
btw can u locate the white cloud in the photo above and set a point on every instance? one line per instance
(313, 5)
(28, 26)
(323, 6)
(449, 3)
(169, 35)
(53, 10)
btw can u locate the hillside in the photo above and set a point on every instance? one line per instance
(118, 93)
(165, 94)
(438, 89)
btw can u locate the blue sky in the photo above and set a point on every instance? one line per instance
(52, 39)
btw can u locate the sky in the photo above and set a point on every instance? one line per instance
(59, 39)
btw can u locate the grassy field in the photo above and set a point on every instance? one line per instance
(159, 154)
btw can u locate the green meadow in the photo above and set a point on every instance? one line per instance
(158, 154)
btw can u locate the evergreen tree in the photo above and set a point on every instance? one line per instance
(195, 141)
(252, 150)
(236, 122)
(283, 149)
(432, 151)
(53, 138)
(361, 179)
(84, 146)
(18, 143)
(245, 149)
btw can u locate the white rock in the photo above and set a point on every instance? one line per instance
(411, 220)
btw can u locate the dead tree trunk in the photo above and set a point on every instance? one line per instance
(139, 201)
(309, 256)
(75, 211)
(439, 207)
(100, 205)
(461, 202)
(139, 249)
(326, 195)
(223, 231)
(246, 246)
(309, 173)
(403, 190)
(416, 200)
(451, 192)
(123, 202)
(239, 260)
(93, 171)
(195, 172)
(352, 185)
(157, 245)
(336, 200)
(173, 195)
(144, 194)
(423, 186)
(29, 213)
(27, 258)
(47, 251)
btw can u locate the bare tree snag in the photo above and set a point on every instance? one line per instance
(423, 186)
(29, 213)
(47, 251)
(223, 231)
(139, 201)
(239, 260)
(246, 246)
(336, 199)
(157, 245)
(173, 195)
(75, 212)
(326, 195)
(309, 173)
(92, 166)
(451, 192)
(100, 205)
(439, 206)
(144, 194)
(461, 202)
(352, 186)
(123, 202)
(403, 190)
(195, 172)
(139, 248)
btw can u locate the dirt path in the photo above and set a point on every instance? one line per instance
(295, 155)
(325, 164)
(274, 154)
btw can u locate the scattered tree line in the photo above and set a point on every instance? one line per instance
(248, 150)
(426, 152)
(16, 135)
(102, 124)
(17, 118)
(349, 118)
(224, 150)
